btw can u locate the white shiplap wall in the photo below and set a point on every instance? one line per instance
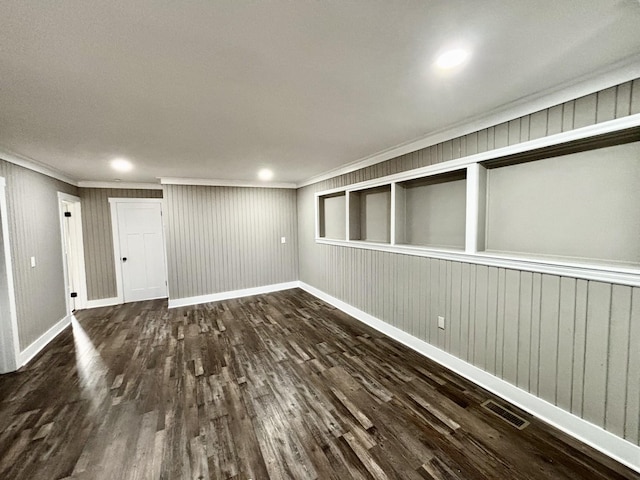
(221, 239)
(34, 230)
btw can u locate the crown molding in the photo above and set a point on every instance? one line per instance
(121, 185)
(35, 166)
(612, 75)
(223, 183)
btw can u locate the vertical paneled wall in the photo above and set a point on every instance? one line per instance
(34, 231)
(571, 342)
(228, 238)
(98, 237)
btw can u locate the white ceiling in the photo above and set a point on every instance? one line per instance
(218, 89)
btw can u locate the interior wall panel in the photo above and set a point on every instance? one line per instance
(632, 403)
(570, 341)
(566, 333)
(227, 238)
(98, 237)
(618, 358)
(579, 345)
(34, 231)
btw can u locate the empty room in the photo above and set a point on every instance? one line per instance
(317, 239)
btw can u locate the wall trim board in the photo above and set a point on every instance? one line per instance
(611, 445)
(587, 271)
(34, 165)
(245, 292)
(115, 200)
(102, 302)
(616, 74)
(120, 185)
(115, 238)
(36, 347)
(583, 133)
(110, 302)
(213, 182)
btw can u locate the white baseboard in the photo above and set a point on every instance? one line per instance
(245, 292)
(615, 447)
(32, 350)
(103, 302)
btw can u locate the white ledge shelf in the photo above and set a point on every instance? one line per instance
(619, 275)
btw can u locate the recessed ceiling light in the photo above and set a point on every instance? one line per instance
(121, 164)
(265, 174)
(452, 58)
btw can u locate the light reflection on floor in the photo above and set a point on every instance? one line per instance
(92, 371)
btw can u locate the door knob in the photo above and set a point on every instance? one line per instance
(124, 259)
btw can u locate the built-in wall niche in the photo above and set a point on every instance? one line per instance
(431, 211)
(582, 206)
(567, 204)
(332, 216)
(370, 214)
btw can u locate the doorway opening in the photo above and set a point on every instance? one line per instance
(72, 252)
(139, 248)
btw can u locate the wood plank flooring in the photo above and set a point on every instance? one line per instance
(273, 386)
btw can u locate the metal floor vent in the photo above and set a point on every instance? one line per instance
(509, 417)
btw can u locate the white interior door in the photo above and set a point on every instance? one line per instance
(142, 258)
(72, 251)
(68, 257)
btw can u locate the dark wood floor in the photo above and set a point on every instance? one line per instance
(267, 387)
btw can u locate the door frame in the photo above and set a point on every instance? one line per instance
(77, 250)
(115, 232)
(9, 334)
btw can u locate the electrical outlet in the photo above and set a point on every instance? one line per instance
(33, 262)
(283, 239)
(440, 322)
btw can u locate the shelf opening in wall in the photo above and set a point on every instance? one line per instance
(332, 216)
(431, 211)
(581, 206)
(370, 215)
(562, 205)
